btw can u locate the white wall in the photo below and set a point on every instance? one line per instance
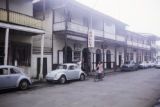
(34, 64)
(47, 26)
(59, 15)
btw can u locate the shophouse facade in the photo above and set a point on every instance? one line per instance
(17, 27)
(67, 25)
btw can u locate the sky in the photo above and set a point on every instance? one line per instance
(142, 16)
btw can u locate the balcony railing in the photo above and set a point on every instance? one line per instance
(77, 28)
(135, 44)
(120, 38)
(19, 19)
(60, 26)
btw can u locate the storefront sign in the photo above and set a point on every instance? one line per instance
(91, 39)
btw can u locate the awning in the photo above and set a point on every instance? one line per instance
(21, 28)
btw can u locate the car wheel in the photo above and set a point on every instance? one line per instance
(62, 80)
(23, 85)
(82, 77)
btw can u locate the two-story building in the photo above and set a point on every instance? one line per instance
(17, 27)
(141, 47)
(68, 24)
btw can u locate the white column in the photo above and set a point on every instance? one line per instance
(42, 54)
(6, 46)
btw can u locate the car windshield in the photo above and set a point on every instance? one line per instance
(62, 67)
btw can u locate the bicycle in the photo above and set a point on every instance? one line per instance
(98, 77)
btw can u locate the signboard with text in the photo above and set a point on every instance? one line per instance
(91, 39)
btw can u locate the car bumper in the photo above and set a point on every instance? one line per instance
(51, 79)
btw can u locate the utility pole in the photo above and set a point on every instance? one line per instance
(103, 42)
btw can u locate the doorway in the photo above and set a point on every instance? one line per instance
(86, 60)
(44, 67)
(108, 59)
(98, 56)
(120, 60)
(67, 55)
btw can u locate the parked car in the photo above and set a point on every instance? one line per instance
(13, 77)
(143, 65)
(157, 65)
(129, 66)
(66, 72)
(151, 64)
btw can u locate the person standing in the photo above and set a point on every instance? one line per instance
(100, 70)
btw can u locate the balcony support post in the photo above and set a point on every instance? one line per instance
(7, 8)
(103, 43)
(66, 27)
(6, 46)
(115, 58)
(42, 55)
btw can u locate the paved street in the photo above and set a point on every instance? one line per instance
(127, 89)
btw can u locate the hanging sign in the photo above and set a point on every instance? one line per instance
(91, 39)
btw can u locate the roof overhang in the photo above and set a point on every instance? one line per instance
(21, 28)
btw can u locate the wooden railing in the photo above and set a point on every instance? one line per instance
(20, 19)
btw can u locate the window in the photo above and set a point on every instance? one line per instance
(71, 67)
(14, 71)
(21, 53)
(4, 71)
(62, 67)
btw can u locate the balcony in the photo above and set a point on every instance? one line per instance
(137, 45)
(19, 19)
(120, 38)
(153, 46)
(74, 27)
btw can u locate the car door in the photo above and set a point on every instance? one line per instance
(4, 78)
(77, 71)
(71, 72)
(14, 76)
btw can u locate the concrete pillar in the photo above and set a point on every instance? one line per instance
(6, 46)
(115, 59)
(42, 54)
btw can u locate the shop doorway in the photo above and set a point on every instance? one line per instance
(98, 56)
(120, 60)
(67, 57)
(108, 59)
(86, 60)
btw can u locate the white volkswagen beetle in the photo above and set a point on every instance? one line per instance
(13, 77)
(66, 72)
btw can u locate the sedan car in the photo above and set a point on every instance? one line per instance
(143, 65)
(13, 77)
(129, 66)
(157, 65)
(66, 72)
